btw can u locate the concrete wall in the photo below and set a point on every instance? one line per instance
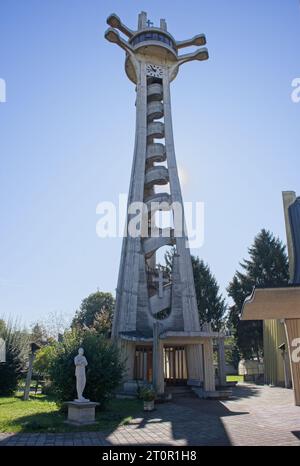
(274, 335)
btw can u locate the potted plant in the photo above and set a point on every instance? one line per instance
(147, 394)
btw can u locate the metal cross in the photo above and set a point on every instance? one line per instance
(149, 23)
(161, 280)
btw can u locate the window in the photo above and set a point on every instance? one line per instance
(153, 36)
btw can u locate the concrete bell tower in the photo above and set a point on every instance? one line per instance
(156, 317)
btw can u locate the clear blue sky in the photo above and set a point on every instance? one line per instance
(67, 133)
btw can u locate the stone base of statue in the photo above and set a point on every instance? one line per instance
(81, 412)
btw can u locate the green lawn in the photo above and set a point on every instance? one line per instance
(43, 414)
(235, 378)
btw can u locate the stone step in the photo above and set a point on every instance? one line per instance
(228, 385)
(223, 394)
(125, 396)
(174, 388)
(179, 391)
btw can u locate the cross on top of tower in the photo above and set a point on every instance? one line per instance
(162, 42)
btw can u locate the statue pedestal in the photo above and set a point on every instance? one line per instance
(81, 413)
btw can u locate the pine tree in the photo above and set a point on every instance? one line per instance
(266, 266)
(211, 304)
(17, 348)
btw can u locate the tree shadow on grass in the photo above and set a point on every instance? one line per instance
(188, 420)
(107, 418)
(185, 424)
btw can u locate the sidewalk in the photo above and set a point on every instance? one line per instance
(256, 415)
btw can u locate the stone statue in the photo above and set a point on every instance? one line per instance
(80, 363)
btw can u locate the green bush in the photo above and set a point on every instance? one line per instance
(17, 350)
(104, 371)
(147, 393)
(43, 360)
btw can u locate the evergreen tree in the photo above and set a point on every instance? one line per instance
(266, 266)
(211, 304)
(17, 349)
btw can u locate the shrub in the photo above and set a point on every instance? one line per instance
(17, 350)
(147, 393)
(104, 371)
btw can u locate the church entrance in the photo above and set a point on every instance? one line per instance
(175, 368)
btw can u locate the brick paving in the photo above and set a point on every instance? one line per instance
(255, 415)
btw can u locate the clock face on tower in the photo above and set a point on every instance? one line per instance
(154, 70)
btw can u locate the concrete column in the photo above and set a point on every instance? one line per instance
(127, 350)
(158, 361)
(163, 24)
(286, 368)
(128, 279)
(289, 198)
(194, 356)
(142, 20)
(221, 362)
(209, 372)
(292, 327)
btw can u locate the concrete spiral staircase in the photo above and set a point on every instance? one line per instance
(156, 175)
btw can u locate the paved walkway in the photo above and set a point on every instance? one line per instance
(256, 415)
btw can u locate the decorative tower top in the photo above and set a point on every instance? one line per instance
(157, 42)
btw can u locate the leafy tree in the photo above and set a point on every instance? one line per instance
(211, 304)
(44, 359)
(2, 326)
(104, 370)
(169, 258)
(17, 350)
(38, 334)
(56, 323)
(267, 266)
(96, 311)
